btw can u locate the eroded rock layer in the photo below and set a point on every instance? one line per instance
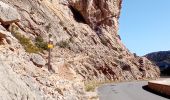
(87, 48)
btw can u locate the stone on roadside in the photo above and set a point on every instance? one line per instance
(38, 60)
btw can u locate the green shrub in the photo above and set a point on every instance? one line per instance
(92, 85)
(26, 43)
(63, 44)
(39, 42)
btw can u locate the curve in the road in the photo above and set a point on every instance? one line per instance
(127, 91)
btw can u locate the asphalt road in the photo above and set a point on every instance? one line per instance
(127, 91)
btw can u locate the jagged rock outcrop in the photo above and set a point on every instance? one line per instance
(87, 46)
(8, 14)
(98, 12)
(161, 59)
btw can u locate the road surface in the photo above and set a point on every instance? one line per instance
(127, 91)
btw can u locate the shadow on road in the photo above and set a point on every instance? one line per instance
(154, 92)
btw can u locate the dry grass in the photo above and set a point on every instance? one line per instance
(92, 85)
(94, 98)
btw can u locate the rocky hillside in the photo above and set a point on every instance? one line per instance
(87, 48)
(161, 59)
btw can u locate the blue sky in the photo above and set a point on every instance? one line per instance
(145, 25)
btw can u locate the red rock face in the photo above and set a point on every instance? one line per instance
(85, 34)
(98, 12)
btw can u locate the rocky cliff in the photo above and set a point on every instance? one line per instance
(87, 48)
(161, 59)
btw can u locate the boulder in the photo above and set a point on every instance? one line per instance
(8, 14)
(37, 60)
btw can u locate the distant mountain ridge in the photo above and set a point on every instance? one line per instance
(161, 59)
